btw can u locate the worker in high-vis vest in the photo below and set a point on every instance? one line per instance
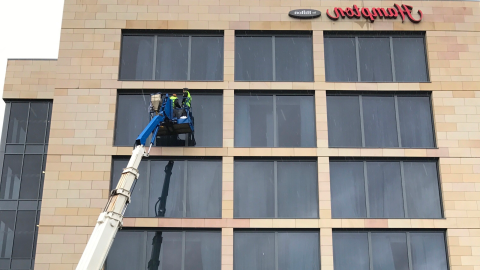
(187, 98)
(175, 106)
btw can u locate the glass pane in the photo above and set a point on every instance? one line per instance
(254, 251)
(16, 148)
(389, 251)
(21, 264)
(34, 149)
(347, 184)
(27, 205)
(409, 59)
(204, 189)
(353, 246)
(37, 122)
(171, 252)
(293, 59)
(172, 58)
(203, 250)
(31, 177)
(415, 118)
(137, 207)
(207, 59)
(166, 181)
(344, 128)
(10, 184)
(253, 190)
(4, 263)
(428, 251)
(8, 205)
(296, 121)
(131, 118)
(298, 250)
(207, 113)
(340, 60)
(380, 124)
(385, 190)
(422, 190)
(24, 234)
(7, 221)
(254, 121)
(253, 59)
(127, 251)
(375, 59)
(137, 58)
(297, 188)
(17, 123)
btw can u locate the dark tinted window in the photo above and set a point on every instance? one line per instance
(289, 250)
(375, 57)
(274, 120)
(380, 120)
(207, 110)
(275, 189)
(23, 155)
(194, 188)
(392, 250)
(172, 56)
(272, 57)
(189, 250)
(385, 189)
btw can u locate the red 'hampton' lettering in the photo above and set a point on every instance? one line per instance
(389, 13)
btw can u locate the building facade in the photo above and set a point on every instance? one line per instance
(348, 140)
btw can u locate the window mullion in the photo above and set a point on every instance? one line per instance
(144, 251)
(365, 177)
(185, 179)
(183, 250)
(273, 58)
(275, 244)
(189, 57)
(397, 118)
(392, 59)
(409, 249)
(358, 59)
(148, 188)
(275, 131)
(362, 127)
(370, 252)
(404, 194)
(155, 38)
(275, 187)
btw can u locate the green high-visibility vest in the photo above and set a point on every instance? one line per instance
(188, 100)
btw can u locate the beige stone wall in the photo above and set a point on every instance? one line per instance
(84, 95)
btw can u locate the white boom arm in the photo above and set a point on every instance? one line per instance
(110, 220)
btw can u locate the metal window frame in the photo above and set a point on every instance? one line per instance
(275, 184)
(43, 154)
(273, 35)
(156, 35)
(148, 161)
(381, 34)
(401, 161)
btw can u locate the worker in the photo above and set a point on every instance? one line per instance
(186, 102)
(175, 106)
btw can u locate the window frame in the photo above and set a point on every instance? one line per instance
(273, 35)
(274, 94)
(185, 182)
(193, 92)
(379, 34)
(275, 185)
(408, 241)
(170, 33)
(395, 95)
(365, 160)
(15, 205)
(276, 232)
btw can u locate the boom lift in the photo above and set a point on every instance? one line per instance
(163, 122)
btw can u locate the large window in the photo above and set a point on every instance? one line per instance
(167, 250)
(24, 147)
(375, 57)
(207, 109)
(378, 120)
(282, 250)
(172, 56)
(385, 189)
(194, 187)
(279, 120)
(275, 189)
(273, 56)
(389, 250)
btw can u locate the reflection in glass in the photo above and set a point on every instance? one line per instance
(347, 185)
(350, 251)
(137, 58)
(389, 251)
(172, 58)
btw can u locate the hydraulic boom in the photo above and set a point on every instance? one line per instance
(110, 220)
